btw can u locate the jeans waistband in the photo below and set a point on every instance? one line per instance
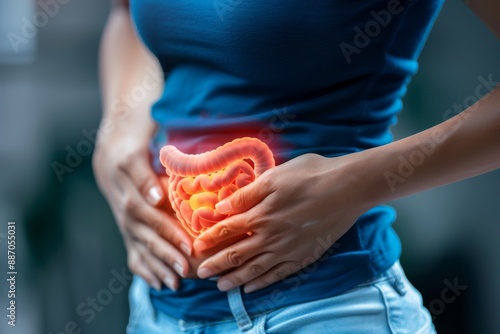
(395, 275)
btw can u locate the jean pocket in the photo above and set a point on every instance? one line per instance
(404, 307)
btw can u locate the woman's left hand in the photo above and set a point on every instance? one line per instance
(294, 212)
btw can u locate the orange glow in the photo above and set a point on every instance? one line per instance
(203, 200)
(196, 183)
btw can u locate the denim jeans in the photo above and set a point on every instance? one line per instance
(387, 303)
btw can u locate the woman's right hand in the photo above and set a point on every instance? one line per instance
(156, 244)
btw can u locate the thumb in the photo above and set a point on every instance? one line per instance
(144, 178)
(243, 199)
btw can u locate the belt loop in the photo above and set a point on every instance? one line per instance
(238, 309)
(397, 280)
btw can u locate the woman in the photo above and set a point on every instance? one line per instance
(320, 84)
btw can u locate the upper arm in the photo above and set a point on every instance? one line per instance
(488, 11)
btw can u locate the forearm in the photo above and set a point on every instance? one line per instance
(464, 146)
(130, 76)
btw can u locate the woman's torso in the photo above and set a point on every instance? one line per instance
(303, 76)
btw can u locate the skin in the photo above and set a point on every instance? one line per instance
(121, 164)
(289, 207)
(158, 248)
(314, 198)
(197, 182)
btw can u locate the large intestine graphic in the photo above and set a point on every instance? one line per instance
(197, 182)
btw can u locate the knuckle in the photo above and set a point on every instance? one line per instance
(273, 237)
(168, 258)
(255, 220)
(265, 180)
(174, 238)
(143, 184)
(128, 229)
(234, 258)
(125, 159)
(256, 269)
(171, 238)
(282, 272)
(156, 225)
(150, 245)
(160, 253)
(225, 231)
(242, 199)
(129, 204)
(165, 258)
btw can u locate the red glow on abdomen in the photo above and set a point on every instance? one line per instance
(197, 182)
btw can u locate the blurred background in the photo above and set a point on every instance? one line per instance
(70, 260)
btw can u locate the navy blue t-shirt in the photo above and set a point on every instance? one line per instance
(323, 77)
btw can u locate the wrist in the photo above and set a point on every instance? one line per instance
(356, 176)
(117, 127)
(341, 180)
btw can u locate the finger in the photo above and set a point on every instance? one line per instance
(162, 249)
(164, 224)
(158, 268)
(166, 205)
(275, 274)
(247, 272)
(134, 262)
(137, 167)
(245, 198)
(224, 230)
(233, 256)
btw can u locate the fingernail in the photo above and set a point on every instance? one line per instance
(179, 269)
(186, 249)
(204, 272)
(200, 245)
(223, 207)
(154, 195)
(170, 283)
(225, 285)
(250, 288)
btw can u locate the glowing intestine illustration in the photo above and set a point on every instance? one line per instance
(197, 182)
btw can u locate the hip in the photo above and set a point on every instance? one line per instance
(387, 303)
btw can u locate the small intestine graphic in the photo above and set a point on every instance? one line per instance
(197, 182)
